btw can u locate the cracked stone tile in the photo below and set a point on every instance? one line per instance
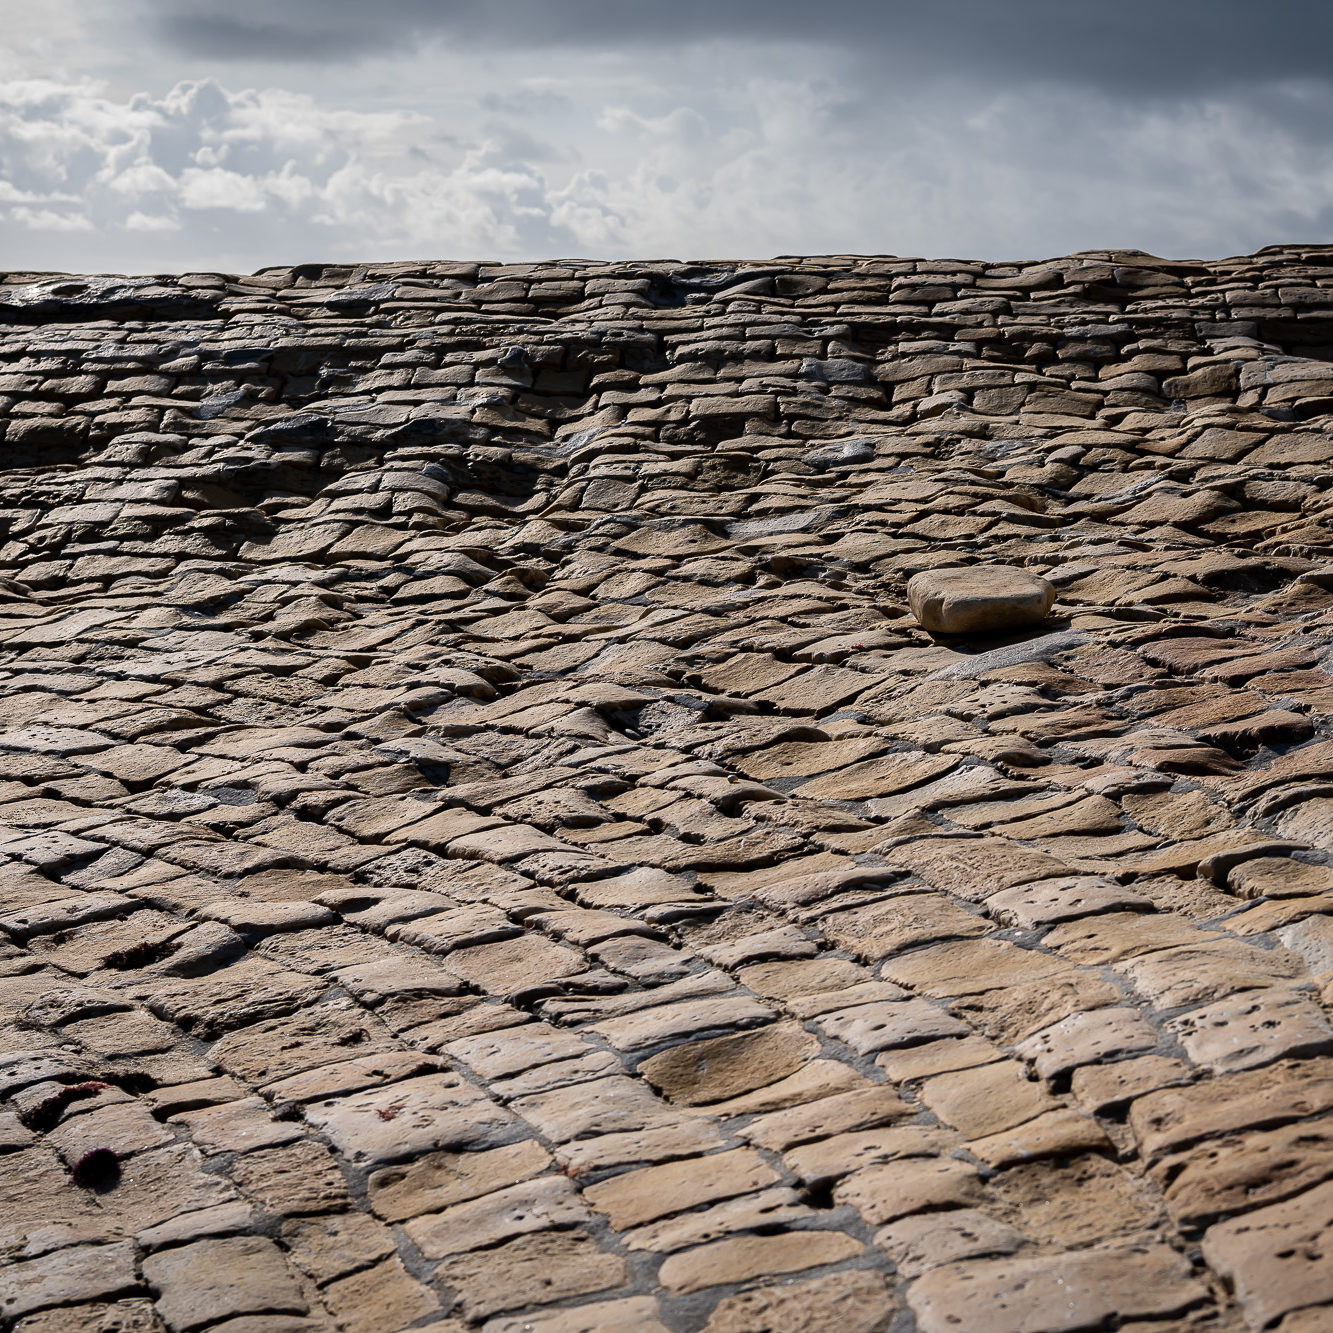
(636, 1197)
(414, 1116)
(435, 1180)
(1091, 1038)
(1254, 1028)
(867, 1028)
(240, 1126)
(539, 1270)
(741, 1258)
(1274, 1256)
(834, 1114)
(914, 1185)
(83, 1273)
(293, 1180)
(767, 1209)
(124, 1316)
(820, 1163)
(547, 1203)
(853, 1302)
(633, 1314)
(930, 1240)
(725, 1068)
(813, 1080)
(1241, 1171)
(1172, 1118)
(211, 1280)
(1059, 1133)
(1196, 974)
(986, 1099)
(383, 1296)
(1056, 1292)
(627, 1148)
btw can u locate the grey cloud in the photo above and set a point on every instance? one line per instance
(1146, 46)
(1005, 128)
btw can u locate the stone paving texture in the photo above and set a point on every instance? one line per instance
(486, 844)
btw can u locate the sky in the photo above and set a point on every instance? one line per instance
(226, 135)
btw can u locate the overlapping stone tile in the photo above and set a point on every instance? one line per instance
(485, 842)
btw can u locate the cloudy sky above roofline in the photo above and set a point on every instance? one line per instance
(165, 135)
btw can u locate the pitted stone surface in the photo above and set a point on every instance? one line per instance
(493, 836)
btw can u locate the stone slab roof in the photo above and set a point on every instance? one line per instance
(485, 842)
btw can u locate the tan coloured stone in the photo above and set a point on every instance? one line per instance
(379, 1298)
(240, 1126)
(1107, 1087)
(671, 1023)
(882, 929)
(818, 1164)
(1173, 978)
(640, 1196)
(1312, 1320)
(975, 868)
(1012, 1014)
(840, 1113)
(1077, 1201)
(606, 1152)
(414, 1116)
(1254, 1028)
(1276, 1257)
(816, 1079)
(1243, 1171)
(1111, 936)
(84, 1273)
(728, 1067)
(867, 1028)
(223, 1219)
(1087, 1038)
(978, 599)
(873, 778)
(512, 966)
(535, 1205)
(766, 1210)
(745, 1257)
(1051, 901)
(446, 664)
(1172, 1118)
(538, 1270)
(987, 1099)
(898, 1189)
(334, 1245)
(826, 1002)
(302, 1178)
(1279, 877)
(930, 1240)
(634, 1314)
(602, 1106)
(970, 967)
(1056, 1293)
(852, 1302)
(217, 1279)
(1312, 939)
(125, 1316)
(1061, 1133)
(937, 1057)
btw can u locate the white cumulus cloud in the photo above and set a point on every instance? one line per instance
(728, 157)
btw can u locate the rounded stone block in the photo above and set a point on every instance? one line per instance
(979, 599)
